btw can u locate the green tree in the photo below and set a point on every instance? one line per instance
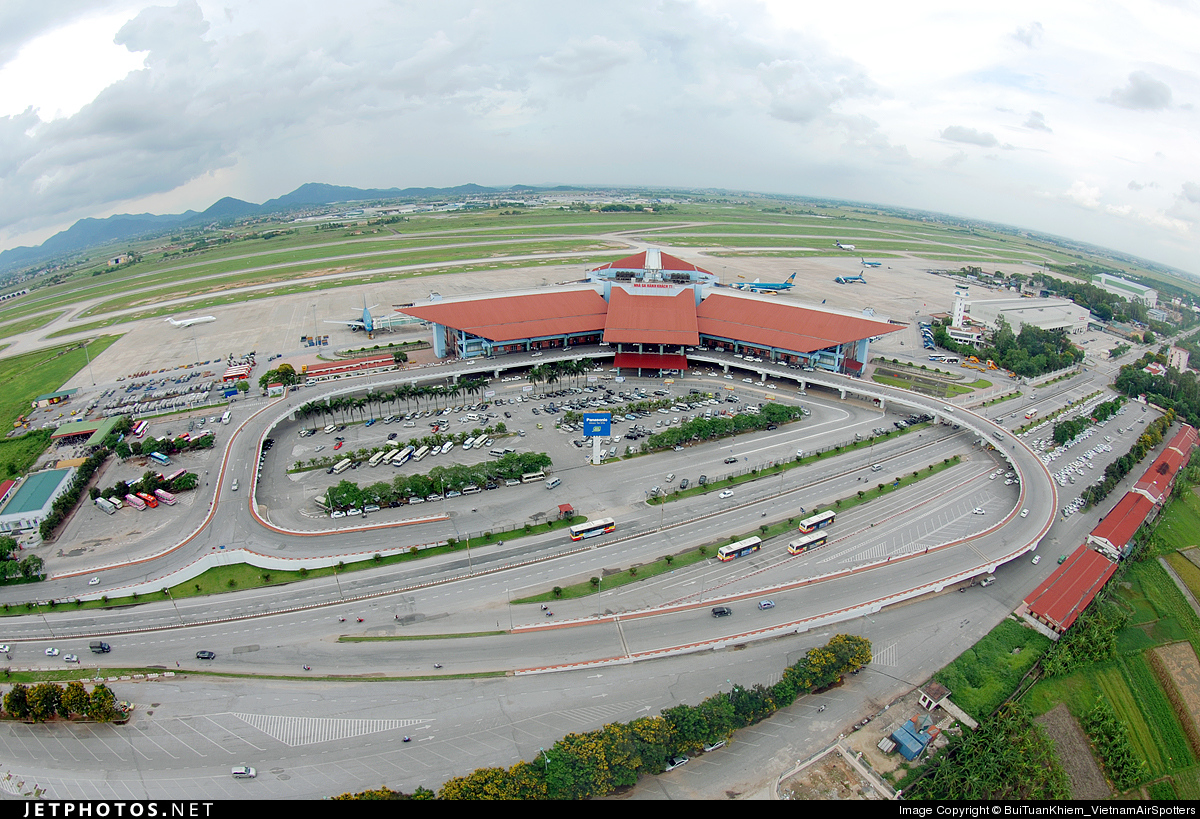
(16, 701)
(75, 699)
(103, 706)
(45, 700)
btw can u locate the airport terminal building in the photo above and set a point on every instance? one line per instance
(652, 308)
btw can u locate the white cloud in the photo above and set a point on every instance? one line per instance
(1037, 121)
(1144, 93)
(960, 133)
(1030, 35)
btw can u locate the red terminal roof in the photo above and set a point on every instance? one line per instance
(651, 319)
(1158, 479)
(638, 262)
(1063, 596)
(509, 318)
(787, 327)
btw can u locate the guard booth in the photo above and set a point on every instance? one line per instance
(565, 511)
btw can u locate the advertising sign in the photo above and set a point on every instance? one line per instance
(598, 424)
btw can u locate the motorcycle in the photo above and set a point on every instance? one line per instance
(360, 619)
(341, 619)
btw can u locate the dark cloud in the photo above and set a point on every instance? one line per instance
(1030, 35)
(960, 133)
(1037, 122)
(1144, 93)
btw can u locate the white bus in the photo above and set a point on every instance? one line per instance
(342, 466)
(533, 477)
(421, 453)
(375, 459)
(467, 444)
(403, 456)
(226, 416)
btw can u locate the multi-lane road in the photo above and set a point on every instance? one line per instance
(920, 539)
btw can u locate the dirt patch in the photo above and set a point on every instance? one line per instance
(829, 779)
(1178, 672)
(1075, 754)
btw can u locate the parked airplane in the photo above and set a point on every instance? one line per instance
(757, 286)
(871, 264)
(851, 279)
(841, 246)
(367, 322)
(189, 322)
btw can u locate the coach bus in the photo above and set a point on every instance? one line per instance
(139, 429)
(421, 453)
(174, 476)
(148, 499)
(739, 549)
(802, 544)
(533, 477)
(818, 521)
(160, 459)
(600, 526)
(376, 458)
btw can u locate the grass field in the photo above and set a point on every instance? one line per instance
(25, 377)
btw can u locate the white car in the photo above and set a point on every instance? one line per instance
(52, 652)
(1036, 559)
(71, 658)
(4, 649)
(235, 485)
(95, 581)
(977, 511)
(728, 493)
(1024, 513)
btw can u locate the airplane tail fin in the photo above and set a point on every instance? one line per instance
(173, 322)
(790, 279)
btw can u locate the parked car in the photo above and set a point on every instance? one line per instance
(675, 762)
(244, 772)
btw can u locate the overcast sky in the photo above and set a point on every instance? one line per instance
(1074, 118)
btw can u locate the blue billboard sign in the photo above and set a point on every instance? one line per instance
(597, 424)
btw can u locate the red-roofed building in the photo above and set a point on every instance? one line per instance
(1159, 479)
(652, 318)
(351, 366)
(1114, 533)
(1062, 597)
(652, 266)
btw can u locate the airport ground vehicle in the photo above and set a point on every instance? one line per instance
(812, 540)
(739, 549)
(817, 521)
(600, 526)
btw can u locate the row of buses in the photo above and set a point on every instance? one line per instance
(811, 536)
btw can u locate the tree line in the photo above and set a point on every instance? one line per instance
(47, 700)
(1031, 352)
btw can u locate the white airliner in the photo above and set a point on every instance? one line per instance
(841, 246)
(189, 322)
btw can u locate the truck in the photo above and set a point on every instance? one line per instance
(165, 496)
(136, 502)
(105, 507)
(342, 466)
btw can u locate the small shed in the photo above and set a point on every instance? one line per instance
(566, 511)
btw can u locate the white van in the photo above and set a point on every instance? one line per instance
(330, 428)
(876, 467)
(553, 482)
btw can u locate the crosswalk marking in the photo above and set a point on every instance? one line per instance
(295, 731)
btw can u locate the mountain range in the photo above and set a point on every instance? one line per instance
(125, 226)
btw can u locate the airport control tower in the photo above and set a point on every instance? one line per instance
(961, 295)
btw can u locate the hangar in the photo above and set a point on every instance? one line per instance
(652, 321)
